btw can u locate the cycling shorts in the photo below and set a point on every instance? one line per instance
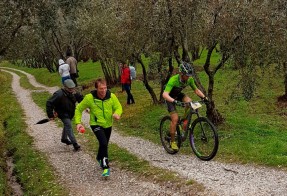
(171, 106)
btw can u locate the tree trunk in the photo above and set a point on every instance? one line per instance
(195, 52)
(57, 44)
(285, 77)
(108, 72)
(185, 56)
(165, 80)
(212, 113)
(176, 54)
(13, 35)
(145, 81)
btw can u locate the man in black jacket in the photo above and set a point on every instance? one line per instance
(62, 104)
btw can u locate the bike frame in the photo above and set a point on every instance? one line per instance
(190, 112)
(203, 139)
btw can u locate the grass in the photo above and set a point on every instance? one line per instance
(30, 166)
(254, 131)
(4, 93)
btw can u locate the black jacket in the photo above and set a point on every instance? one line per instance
(64, 103)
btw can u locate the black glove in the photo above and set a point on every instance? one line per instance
(205, 100)
(178, 103)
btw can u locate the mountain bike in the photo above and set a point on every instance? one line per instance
(202, 134)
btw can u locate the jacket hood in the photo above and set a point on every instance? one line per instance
(108, 95)
(61, 61)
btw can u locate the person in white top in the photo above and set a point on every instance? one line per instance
(64, 70)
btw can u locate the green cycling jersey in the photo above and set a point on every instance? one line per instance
(175, 85)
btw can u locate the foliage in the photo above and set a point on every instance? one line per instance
(51, 31)
(173, 29)
(14, 15)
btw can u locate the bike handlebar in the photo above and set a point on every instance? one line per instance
(193, 104)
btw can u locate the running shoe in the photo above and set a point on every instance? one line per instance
(66, 141)
(106, 172)
(77, 147)
(173, 145)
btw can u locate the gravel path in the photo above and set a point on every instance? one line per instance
(84, 178)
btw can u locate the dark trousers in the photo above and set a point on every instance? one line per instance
(123, 88)
(68, 130)
(130, 98)
(73, 77)
(103, 135)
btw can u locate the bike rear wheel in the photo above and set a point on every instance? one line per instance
(203, 139)
(165, 135)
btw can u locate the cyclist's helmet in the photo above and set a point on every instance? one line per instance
(186, 69)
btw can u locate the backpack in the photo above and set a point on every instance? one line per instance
(133, 72)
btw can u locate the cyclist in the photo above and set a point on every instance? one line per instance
(173, 96)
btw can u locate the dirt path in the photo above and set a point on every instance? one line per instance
(218, 178)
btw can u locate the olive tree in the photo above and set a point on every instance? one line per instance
(14, 14)
(100, 25)
(240, 31)
(278, 40)
(51, 31)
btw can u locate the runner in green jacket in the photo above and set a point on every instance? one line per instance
(104, 106)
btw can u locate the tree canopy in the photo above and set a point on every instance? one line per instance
(247, 34)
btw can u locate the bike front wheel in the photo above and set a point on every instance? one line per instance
(203, 139)
(165, 135)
